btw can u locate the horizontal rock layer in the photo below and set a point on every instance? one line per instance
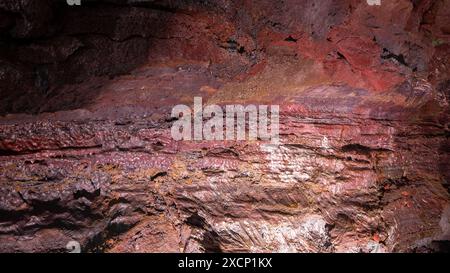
(86, 152)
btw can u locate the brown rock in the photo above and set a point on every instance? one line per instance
(364, 98)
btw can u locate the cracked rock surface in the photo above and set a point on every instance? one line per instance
(86, 152)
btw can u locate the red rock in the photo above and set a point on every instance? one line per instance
(86, 153)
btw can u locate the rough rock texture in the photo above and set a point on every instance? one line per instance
(86, 152)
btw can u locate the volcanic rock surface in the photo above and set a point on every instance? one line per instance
(86, 152)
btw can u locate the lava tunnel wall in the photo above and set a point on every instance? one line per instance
(86, 152)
